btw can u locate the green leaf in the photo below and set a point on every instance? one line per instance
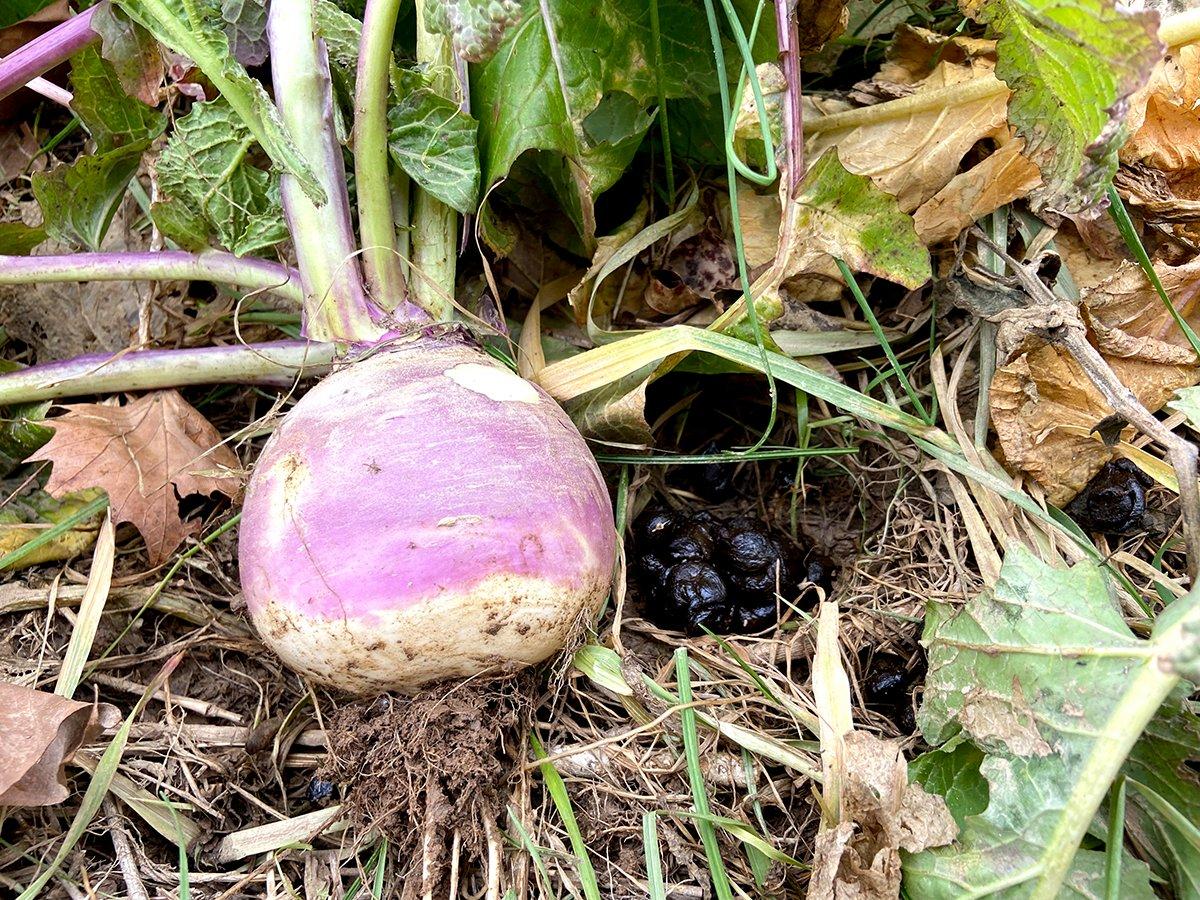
(434, 142)
(845, 216)
(113, 118)
(1071, 66)
(209, 189)
(548, 78)
(78, 201)
(21, 433)
(196, 28)
(13, 11)
(952, 772)
(19, 239)
(1042, 676)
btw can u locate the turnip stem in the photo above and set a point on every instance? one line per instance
(45, 52)
(165, 265)
(434, 234)
(335, 301)
(376, 222)
(277, 364)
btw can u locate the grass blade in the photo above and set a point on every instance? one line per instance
(12, 558)
(1116, 841)
(91, 608)
(562, 802)
(691, 750)
(655, 885)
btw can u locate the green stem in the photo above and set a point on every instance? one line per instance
(335, 302)
(376, 223)
(434, 231)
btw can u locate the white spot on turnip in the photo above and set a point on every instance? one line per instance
(493, 382)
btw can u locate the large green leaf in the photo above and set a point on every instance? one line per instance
(113, 118)
(434, 142)
(78, 200)
(553, 71)
(1071, 65)
(1042, 675)
(209, 188)
(196, 28)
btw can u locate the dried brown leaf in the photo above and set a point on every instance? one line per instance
(147, 456)
(1165, 115)
(1043, 408)
(882, 814)
(819, 21)
(41, 733)
(1001, 178)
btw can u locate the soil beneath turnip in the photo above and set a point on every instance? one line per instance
(431, 772)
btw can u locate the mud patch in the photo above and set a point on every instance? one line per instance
(427, 769)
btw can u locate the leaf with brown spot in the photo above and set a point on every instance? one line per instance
(41, 733)
(819, 21)
(147, 456)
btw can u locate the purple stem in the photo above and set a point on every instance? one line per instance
(788, 36)
(163, 265)
(45, 52)
(276, 364)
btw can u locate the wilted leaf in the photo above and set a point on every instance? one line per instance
(41, 733)
(882, 814)
(19, 239)
(112, 118)
(1071, 68)
(246, 30)
(208, 188)
(616, 412)
(29, 516)
(844, 215)
(914, 157)
(1043, 409)
(78, 200)
(819, 21)
(1048, 655)
(147, 456)
(547, 79)
(1129, 324)
(1001, 178)
(475, 27)
(132, 53)
(434, 142)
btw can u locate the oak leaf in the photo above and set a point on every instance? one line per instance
(41, 732)
(147, 456)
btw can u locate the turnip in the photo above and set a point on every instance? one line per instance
(423, 513)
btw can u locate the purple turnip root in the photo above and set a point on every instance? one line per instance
(423, 514)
